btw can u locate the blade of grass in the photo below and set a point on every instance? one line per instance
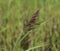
(42, 45)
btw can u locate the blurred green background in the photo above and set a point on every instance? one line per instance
(14, 14)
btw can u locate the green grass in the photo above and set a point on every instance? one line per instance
(15, 14)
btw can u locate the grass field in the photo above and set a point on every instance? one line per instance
(29, 25)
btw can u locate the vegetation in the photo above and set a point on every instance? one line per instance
(29, 25)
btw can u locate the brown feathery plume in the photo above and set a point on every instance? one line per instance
(33, 20)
